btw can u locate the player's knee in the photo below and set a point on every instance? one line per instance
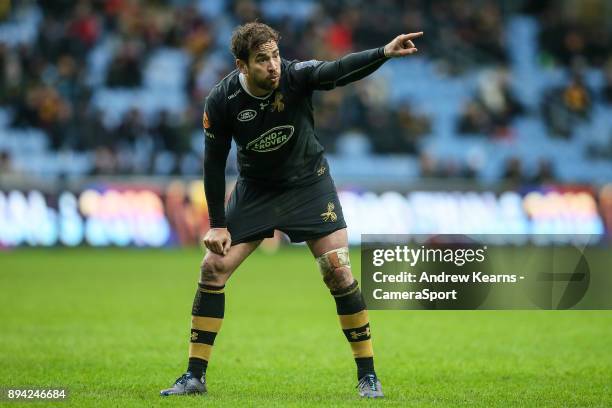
(339, 278)
(213, 270)
(335, 268)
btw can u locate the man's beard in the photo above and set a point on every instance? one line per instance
(266, 84)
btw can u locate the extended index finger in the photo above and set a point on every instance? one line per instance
(412, 36)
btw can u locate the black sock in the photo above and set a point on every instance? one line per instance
(197, 367)
(365, 366)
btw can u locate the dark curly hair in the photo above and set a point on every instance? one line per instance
(249, 37)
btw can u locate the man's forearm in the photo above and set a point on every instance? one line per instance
(214, 186)
(350, 68)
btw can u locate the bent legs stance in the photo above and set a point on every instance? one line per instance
(331, 252)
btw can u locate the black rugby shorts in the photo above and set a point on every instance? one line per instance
(303, 213)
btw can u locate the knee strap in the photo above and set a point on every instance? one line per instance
(336, 258)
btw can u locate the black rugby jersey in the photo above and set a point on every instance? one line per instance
(274, 134)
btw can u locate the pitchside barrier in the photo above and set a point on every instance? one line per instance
(175, 214)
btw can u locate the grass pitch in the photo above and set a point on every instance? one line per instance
(112, 326)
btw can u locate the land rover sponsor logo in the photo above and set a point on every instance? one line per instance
(272, 139)
(246, 115)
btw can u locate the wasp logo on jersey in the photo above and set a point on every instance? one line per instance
(205, 121)
(330, 215)
(246, 115)
(272, 139)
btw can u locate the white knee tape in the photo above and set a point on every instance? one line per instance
(333, 259)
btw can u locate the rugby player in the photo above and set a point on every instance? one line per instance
(284, 184)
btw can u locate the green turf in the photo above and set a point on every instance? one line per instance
(112, 326)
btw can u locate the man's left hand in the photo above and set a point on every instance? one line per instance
(402, 45)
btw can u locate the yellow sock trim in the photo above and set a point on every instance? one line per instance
(210, 324)
(362, 349)
(355, 320)
(200, 350)
(214, 291)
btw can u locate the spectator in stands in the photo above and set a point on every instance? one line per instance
(53, 38)
(105, 162)
(427, 166)
(565, 107)
(430, 167)
(465, 34)
(6, 166)
(576, 97)
(383, 129)
(327, 118)
(173, 134)
(557, 118)
(131, 128)
(125, 69)
(84, 27)
(246, 10)
(494, 107)
(198, 37)
(91, 130)
(513, 172)
(68, 79)
(545, 173)
(339, 35)
(499, 101)
(24, 111)
(5, 8)
(487, 26)
(3, 74)
(45, 108)
(412, 127)
(475, 119)
(583, 34)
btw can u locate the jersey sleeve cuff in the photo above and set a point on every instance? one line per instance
(218, 223)
(381, 53)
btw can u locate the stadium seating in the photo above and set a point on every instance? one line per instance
(415, 81)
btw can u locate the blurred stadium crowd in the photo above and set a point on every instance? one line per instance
(516, 90)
